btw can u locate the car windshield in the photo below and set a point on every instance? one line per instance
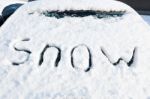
(83, 13)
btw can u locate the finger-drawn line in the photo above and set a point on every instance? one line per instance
(90, 57)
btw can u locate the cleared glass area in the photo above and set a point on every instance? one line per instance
(83, 13)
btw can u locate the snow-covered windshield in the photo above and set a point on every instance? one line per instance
(83, 13)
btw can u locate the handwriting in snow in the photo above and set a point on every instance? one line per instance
(59, 56)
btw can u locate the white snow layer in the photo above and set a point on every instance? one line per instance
(146, 18)
(74, 57)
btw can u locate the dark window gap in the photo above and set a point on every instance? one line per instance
(83, 13)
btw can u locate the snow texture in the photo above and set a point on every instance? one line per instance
(146, 18)
(44, 57)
